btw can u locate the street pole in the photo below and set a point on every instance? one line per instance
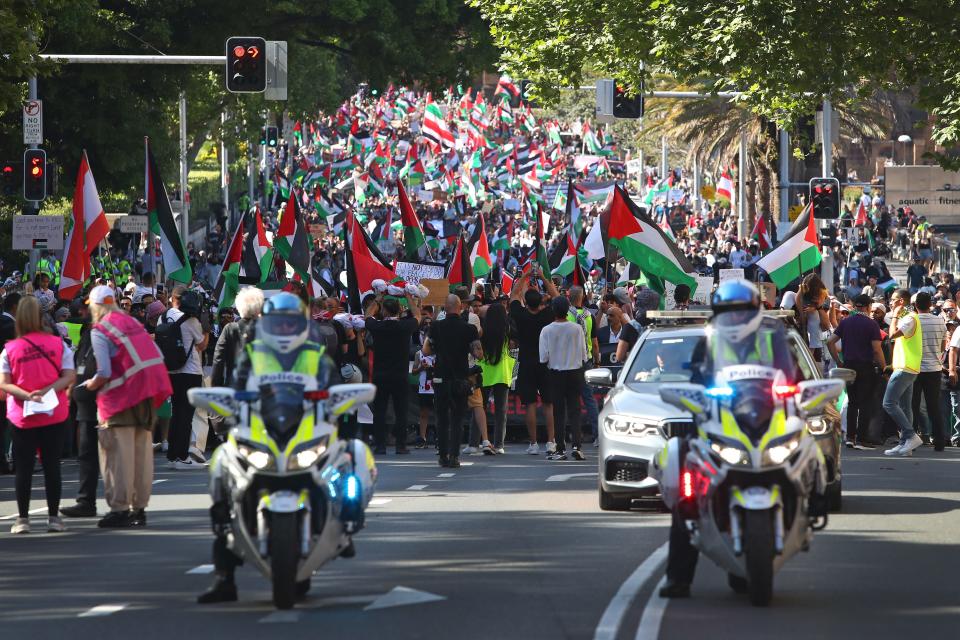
(250, 172)
(696, 184)
(33, 207)
(784, 180)
(224, 163)
(663, 157)
(184, 207)
(826, 268)
(742, 189)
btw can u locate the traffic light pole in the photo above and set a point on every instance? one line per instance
(184, 171)
(33, 207)
(826, 268)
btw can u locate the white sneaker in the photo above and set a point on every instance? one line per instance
(186, 465)
(487, 448)
(533, 449)
(551, 447)
(55, 525)
(197, 455)
(164, 446)
(500, 450)
(22, 525)
(907, 448)
(894, 451)
(156, 446)
(468, 450)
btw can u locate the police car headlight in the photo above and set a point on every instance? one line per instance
(308, 455)
(780, 449)
(256, 458)
(629, 426)
(817, 426)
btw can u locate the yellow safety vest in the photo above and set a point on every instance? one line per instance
(587, 325)
(264, 361)
(907, 352)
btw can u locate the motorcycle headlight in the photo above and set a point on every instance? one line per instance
(817, 426)
(730, 453)
(780, 449)
(256, 458)
(625, 425)
(307, 455)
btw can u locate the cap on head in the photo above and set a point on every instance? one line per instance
(102, 294)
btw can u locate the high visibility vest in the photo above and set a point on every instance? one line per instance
(73, 332)
(907, 352)
(56, 273)
(263, 362)
(585, 319)
(761, 353)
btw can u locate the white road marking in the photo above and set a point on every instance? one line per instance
(375, 502)
(649, 627)
(416, 487)
(466, 464)
(102, 610)
(612, 616)
(563, 477)
(200, 570)
(402, 596)
(160, 480)
(445, 475)
(34, 512)
(282, 616)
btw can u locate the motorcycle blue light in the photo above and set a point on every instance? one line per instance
(353, 488)
(246, 396)
(719, 392)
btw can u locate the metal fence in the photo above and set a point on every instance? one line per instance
(945, 256)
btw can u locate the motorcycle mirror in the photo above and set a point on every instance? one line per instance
(219, 400)
(347, 398)
(685, 396)
(813, 396)
(838, 373)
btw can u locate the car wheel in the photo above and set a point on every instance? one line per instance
(834, 496)
(611, 502)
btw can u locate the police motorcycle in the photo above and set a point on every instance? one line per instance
(749, 487)
(288, 493)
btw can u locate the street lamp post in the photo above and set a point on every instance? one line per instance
(904, 138)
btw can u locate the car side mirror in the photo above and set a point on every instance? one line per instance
(838, 373)
(347, 398)
(685, 396)
(219, 400)
(813, 396)
(601, 377)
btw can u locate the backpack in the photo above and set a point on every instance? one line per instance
(169, 340)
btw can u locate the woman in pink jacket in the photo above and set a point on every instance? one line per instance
(35, 371)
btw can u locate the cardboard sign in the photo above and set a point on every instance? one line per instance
(37, 232)
(704, 290)
(317, 230)
(416, 272)
(669, 302)
(730, 274)
(439, 290)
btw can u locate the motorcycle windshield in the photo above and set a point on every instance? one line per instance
(281, 409)
(766, 346)
(752, 406)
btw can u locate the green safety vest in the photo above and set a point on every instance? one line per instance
(907, 352)
(587, 325)
(56, 273)
(73, 332)
(500, 373)
(761, 353)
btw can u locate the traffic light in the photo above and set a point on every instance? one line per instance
(272, 137)
(10, 176)
(246, 65)
(263, 136)
(34, 175)
(825, 198)
(625, 106)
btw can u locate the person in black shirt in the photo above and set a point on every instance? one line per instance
(450, 340)
(391, 360)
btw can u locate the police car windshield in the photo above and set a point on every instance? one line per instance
(664, 359)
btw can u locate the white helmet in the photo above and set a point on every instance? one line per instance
(284, 325)
(351, 373)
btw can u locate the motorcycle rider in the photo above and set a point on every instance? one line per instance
(738, 333)
(281, 344)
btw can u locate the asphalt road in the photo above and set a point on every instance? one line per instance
(507, 547)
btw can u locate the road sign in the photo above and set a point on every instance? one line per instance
(134, 224)
(37, 232)
(33, 122)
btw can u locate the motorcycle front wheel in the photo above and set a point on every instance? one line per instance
(758, 551)
(284, 557)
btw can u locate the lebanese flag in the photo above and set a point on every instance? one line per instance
(725, 189)
(435, 128)
(479, 249)
(798, 253)
(90, 226)
(761, 235)
(861, 220)
(644, 244)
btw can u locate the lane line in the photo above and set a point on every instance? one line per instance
(34, 512)
(160, 480)
(612, 616)
(445, 475)
(563, 477)
(375, 502)
(102, 610)
(416, 487)
(282, 616)
(201, 569)
(652, 618)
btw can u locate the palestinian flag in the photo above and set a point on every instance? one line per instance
(435, 128)
(573, 210)
(661, 190)
(413, 237)
(479, 250)
(761, 235)
(175, 262)
(887, 285)
(798, 253)
(643, 243)
(861, 220)
(568, 262)
(257, 253)
(506, 282)
(365, 264)
(506, 88)
(501, 239)
(459, 270)
(538, 249)
(227, 285)
(292, 240)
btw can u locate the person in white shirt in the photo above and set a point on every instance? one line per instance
(187, 377)
(563, 350)
(739, 259)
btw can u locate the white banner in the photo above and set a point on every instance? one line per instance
(37, 232)
(415, 272)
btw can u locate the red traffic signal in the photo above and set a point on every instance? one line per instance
(34, 175)
(625, 106)
(825, 198)
(246, 70)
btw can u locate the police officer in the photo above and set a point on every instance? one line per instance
(740, 335)
(281, 344)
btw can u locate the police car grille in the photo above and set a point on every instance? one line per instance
(626, 470)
